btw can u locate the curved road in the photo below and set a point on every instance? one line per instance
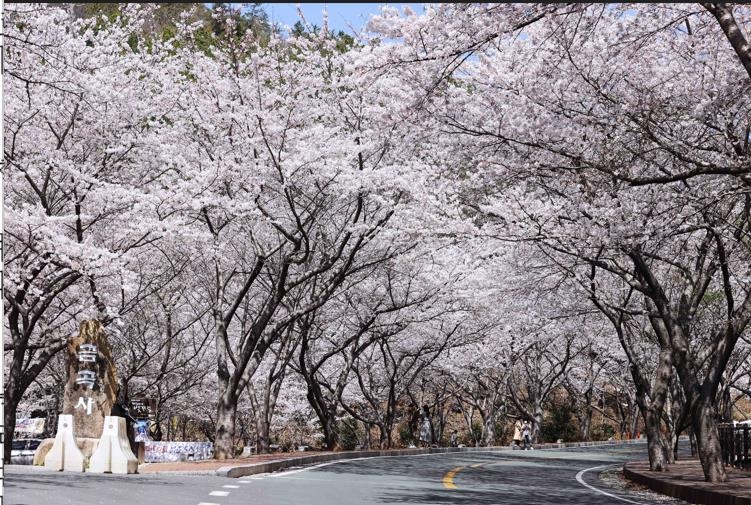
(557, 477)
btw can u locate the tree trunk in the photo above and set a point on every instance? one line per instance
(584, 424)
(263, 438)
(583, 412)
(676, 440)
(708, 438)
(224, 444)
(726, 406)
(9, 420)
(389, 431)
(536, 422)
(383, 437)
(724, 15)
(692, 441)
(667, 446)
(490, 434)
(634, 423)
(655, 448)
(666, 437)
(19, 376)
(331, 429)
(325, 408)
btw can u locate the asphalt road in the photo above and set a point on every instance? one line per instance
(557, 477)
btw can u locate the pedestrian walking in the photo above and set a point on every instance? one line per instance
(527, 435)
(517, 434)
(426, 427)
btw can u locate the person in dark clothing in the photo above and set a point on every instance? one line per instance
(120, 409)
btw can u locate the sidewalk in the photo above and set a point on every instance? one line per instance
(685, 480)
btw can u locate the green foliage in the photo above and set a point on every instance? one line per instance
(602, 432)
(162, 23)
(559, 424)
(98, 10)
(476, 432)
(500, 433)
(344, 42)
(711, 297)
(133, 42)
(348, 433)
(239, 31)
(406, 437)
(253, 19)
(298, 29)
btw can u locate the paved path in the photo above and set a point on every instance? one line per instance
(685, 479)
(557, 477)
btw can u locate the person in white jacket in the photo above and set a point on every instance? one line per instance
(517, 440)
(426, 427)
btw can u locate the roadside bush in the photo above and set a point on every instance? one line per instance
(476, 433)
(559, 424)
(349, 434)
(406, 437)
(602, 432)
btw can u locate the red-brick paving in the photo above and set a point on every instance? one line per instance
(210, 465)
(685, 480)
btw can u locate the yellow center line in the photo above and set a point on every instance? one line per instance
(448, 479)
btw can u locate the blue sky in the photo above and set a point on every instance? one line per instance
(341, 15)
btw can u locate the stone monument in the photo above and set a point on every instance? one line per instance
(91, 390)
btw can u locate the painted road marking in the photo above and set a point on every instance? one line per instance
(207, 503)
(284, 473)
(497, 452)
(244, 481)
(231, 486)
(219, 493)
(287, 473)
(581, 481)
(448, 479)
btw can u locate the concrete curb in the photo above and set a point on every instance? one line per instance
(273, 466)
(687, 492)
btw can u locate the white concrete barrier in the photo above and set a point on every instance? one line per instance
(113, 454)
(65, 454)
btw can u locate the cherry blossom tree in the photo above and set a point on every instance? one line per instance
(575, 157)
(462, 208)
(76, 153)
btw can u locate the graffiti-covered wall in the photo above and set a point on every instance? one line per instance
(160, 452)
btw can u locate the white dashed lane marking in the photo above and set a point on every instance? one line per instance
(230, 486)
(207, 503)
(219, 493)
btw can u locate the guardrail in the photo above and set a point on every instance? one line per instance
(735, 441)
